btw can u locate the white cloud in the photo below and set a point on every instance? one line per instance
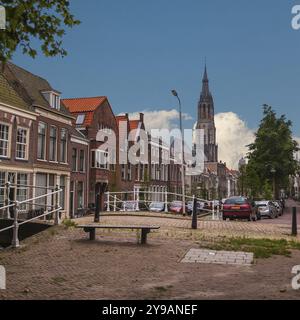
(233, 135)
(161, 119)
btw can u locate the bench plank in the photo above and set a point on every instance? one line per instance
(99, 226)
(91, 228)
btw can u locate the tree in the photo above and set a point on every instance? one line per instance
(271, 156)
(44, 20)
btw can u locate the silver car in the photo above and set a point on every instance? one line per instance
(157, 207)
(279, 207)
(267, 209)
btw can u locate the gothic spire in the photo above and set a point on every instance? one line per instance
(205, 84)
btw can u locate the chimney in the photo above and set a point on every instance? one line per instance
(142, 117)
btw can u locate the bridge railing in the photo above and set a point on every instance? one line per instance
(120, 201)
(15, 207)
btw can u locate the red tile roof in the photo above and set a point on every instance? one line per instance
(85, 106)
(134, 124)
(77, 105)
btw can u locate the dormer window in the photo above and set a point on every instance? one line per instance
(53, 99)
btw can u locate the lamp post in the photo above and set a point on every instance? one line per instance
(273, 171)
(175, 94)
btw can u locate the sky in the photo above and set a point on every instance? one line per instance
(136, 51)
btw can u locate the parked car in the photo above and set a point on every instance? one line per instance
(240, 208)
(279, 208)
(129, 206)
(200, 207)
(157, 207)
(267, 209)
(177, 207)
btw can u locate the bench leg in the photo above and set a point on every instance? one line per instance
(92, 234)
(144, 235)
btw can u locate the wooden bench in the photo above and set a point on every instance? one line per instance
(91, 228)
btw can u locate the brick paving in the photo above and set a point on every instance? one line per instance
(63, 264)
(207, 228)
(218, 257)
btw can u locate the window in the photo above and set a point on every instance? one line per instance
(142, 166)
(74, 159)
(129, 171)
(42, 141)
(22, 190)
(41, 189)
(53, 144)
(2, 189)
(99, 159)
(62, 194)
(63, 145)
(55, 101)
(4, 140)
(80, 119)
(22, 140)
(123, 172)
(81, 161)
(80, 202)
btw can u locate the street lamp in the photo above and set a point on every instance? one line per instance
(175, 94)
(273, 171)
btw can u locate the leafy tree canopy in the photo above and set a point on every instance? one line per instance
(44, 20)
(271, 156)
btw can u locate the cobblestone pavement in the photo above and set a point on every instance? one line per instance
(207, 227)
(218, 257)
(63, 264)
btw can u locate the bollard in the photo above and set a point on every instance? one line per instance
(166, 202)
(115, 203)
(294, 222)
(108, 202)
(15, 241)
(97, 209)
(194, 217)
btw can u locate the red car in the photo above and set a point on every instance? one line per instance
(240, 208)
(177, 207)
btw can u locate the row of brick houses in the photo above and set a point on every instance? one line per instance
(46, 141)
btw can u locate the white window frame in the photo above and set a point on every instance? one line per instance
(8, 156)
(45, 141)
(79, 160)
(56, 140)
(96, 158)
(26, 143)
(65, 161)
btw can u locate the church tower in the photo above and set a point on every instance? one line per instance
(206, 121)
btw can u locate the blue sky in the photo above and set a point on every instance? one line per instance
(135, 51)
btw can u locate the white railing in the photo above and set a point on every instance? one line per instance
(16, 205)
(115, 201)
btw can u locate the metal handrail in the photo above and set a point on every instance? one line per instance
(40, 197)
(16, 204)
(40, 216)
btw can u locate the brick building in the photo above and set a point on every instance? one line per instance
(91, 115)
(41, 138)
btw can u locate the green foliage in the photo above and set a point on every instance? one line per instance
(267, 191)
(271, 156)
(28, 20)
(262, 248)
(68, 223)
